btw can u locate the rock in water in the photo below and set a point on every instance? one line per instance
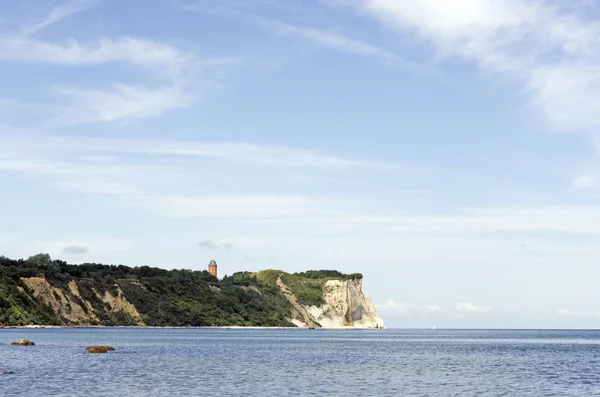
(98, 349)
(23, 342)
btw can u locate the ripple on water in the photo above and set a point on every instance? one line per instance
(214, 362)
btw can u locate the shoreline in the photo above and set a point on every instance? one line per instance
(175, 327)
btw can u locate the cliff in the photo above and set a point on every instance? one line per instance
(39, 291)
(343, 305)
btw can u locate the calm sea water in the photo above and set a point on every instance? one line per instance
(222, 362)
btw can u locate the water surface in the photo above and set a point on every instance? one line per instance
(229, 362)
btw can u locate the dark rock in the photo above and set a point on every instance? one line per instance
(23, 342)
(98, 349)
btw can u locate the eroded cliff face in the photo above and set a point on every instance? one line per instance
(96, 301)
(72, 308)
(345, 306)
(67, 307)
(300, 316)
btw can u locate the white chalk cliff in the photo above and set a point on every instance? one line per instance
(346, 306)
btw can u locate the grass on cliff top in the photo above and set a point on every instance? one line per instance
(269, 276)
(306, 286)
(307, 291)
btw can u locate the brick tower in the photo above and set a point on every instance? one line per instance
(212, 268)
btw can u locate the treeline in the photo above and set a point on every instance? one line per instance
(334, 274)
(162, 297)
(42, 265)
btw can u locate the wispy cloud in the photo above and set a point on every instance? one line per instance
(322, 37)
(211, 245)
(403, 308)
(215, 182)
(72, 245)
(240, 153)
(208, 244)
(171, 78)
(156, 57)
(252, 5)
(83, 177)
(75, 249)
(585, 181)
(121, 102)
(249, 153)
(578, 313)
(539, 218)
(238, 207)
(61, 11)
(471, 308)
(150, 175)
(328, 39)
(551, 48)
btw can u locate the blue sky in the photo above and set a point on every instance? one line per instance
(446, 150)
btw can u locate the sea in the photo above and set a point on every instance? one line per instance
(300, 362)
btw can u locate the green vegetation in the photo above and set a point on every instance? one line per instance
(306, 286)
(329, 274)
(162, 297)
(307, 291)
(17, 307)
(269, 276)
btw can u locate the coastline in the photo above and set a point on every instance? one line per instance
(176, 327)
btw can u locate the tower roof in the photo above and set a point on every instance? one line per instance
(212, 263)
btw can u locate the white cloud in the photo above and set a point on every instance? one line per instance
(552, 50)
(106, 179)
(122, 102)
(329, 39)
(250, 153)
(326, 38)
(469, 307)
(150, 178)
(578, 313)
(393, 307)
(585, 181)
(233, 153)
(211, 245)
(582, 219)
(75, 250)
(59, 247)
(170, 74)
(235, 181)
(146, 54)
(208, 244)
(61, 11)
(220, 7)
(98, 184)
(237, 207)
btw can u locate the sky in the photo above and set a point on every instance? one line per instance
(449, 151)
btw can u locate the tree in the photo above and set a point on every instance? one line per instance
(40, 259)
